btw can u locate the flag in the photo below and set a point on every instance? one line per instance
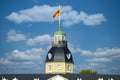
(57, 13)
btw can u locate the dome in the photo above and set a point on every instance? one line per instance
(59, 33)
(59, 54)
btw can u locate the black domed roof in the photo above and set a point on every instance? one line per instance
(59, 54)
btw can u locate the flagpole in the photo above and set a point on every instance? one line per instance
(59, 15)
(59, 19)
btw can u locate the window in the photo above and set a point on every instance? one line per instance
(63, 37)
(59, 67)
(68, 68)
(58, 38)
(55, 39)
(49, 67)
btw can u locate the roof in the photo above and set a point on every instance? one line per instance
(59, 54)
(67, 76)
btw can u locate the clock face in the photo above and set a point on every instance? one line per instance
(68, 55)
(49, 55)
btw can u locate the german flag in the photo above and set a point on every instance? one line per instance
(57, 13)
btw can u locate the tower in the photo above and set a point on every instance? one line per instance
(59, 58)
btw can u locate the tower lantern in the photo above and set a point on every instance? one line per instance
(59, 38)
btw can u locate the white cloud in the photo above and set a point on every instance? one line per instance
(96, 65)
(78, 50)
(92, 66)
(100, 54)
(42, 39)
(35, 14)
(94, 19)
(5, 61)
(113, 53)
(99, 60)
(33, 54)
(73, 49)
(100, 68)
(102, 60)
(27, 61)
(107, 52)
(86, 52)
(103, 55)
(74, 17)
(13, 36)
(44, 14)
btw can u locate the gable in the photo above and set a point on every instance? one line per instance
(57, 77)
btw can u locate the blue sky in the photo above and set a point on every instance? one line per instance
(27, 28)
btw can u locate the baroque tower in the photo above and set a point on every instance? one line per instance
(59, 58)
